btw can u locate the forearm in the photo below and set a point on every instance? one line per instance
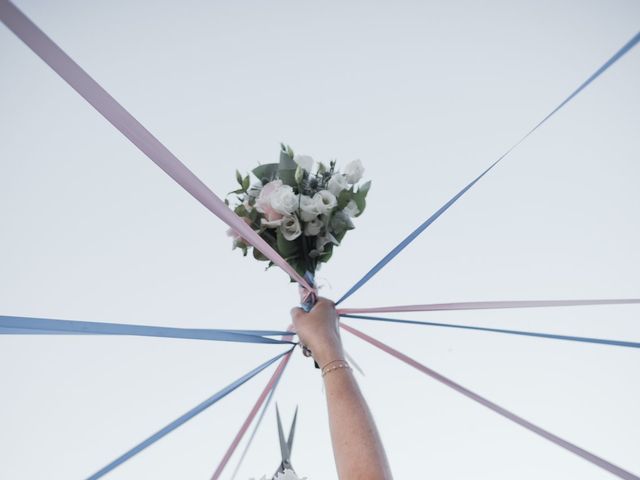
(357, 446)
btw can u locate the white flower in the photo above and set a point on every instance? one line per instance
(270, 224)
(337, 183)
(313, 227)
(326, 200)
(305, 161)
(351, 210)
(290, 228)
(284, 201)
(263, 202)
(354, 171)
(309, 208)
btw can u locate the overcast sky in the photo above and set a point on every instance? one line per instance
(426, 94)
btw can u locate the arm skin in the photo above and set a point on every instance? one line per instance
(357, 448)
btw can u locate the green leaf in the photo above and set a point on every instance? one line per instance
(287, 167)
(324, 258)
(246, 183)
(257, 254)
(344, 198)
(239, 177)
(286, 248)
(360, 197)
(267, 172)
(340, 223)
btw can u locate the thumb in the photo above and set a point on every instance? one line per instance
(296, 312)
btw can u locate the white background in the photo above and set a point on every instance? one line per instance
(427, 95)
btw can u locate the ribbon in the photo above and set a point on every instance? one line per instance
(588, 456)
(265, 407)
(617, 343)
(422, 227)
(187, 416)
(46, 326)
(270, 387)
(120, 118)
(432, 307)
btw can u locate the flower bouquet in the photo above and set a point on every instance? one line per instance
(302, 208)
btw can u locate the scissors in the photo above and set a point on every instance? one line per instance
(286, 445)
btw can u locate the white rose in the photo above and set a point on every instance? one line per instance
(284, 201)
(354, 171)
(313, 227)
(351, 210)
(290, 228)
(326, 201)
(305, 162)
(309, 208)
(337, 183)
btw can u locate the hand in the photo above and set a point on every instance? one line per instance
(318, 330)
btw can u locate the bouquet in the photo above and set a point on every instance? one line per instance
(302, 208)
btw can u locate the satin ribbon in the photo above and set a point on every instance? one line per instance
(422, 227)
(256, 427)
(588, 456)
(252, 413)
(616, 343)
(432, 307)
(120, 118)
(47, 326)
(187, 416)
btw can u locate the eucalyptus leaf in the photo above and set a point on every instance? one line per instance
(267, 171)
(340, 223)
(287, 167)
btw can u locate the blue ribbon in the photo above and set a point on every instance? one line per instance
(184, 418)
(44, 326)
(617, 343)
(412, 236)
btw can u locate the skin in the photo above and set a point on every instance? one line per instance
(357, 447)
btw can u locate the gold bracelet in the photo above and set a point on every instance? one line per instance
(332, 361)
(336, 367)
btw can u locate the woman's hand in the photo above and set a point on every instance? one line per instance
(318, 330)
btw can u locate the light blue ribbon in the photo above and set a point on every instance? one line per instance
(412, 236)
(10, 325)
(617, 343)
(184, 418)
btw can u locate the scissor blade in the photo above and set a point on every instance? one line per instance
(284, 449)
(291, 433)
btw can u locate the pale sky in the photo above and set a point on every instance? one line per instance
(427, 95)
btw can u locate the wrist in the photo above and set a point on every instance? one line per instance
(326, 355)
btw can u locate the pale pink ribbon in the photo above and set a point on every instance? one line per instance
(254, 411)
(486, 305)
(120, 118)
(590, 457)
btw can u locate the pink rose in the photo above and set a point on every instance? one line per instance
(235, 235)
(263, 203)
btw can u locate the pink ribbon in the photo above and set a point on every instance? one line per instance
(120, 118)
(588, 456)
(252, 413)
(487, 305)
